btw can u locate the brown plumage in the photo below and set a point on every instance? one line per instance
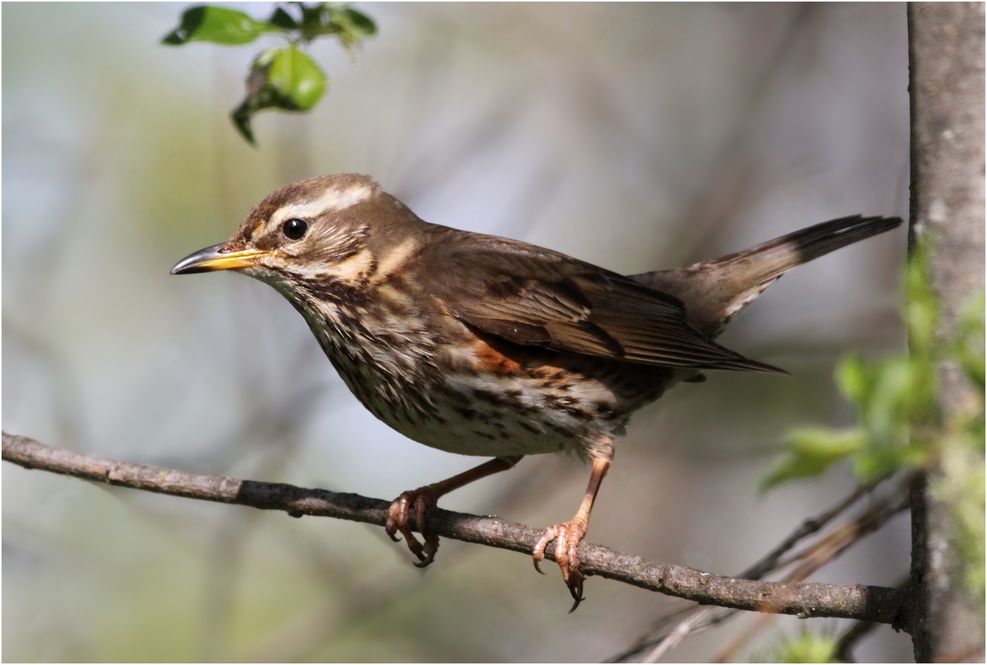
(481, 345)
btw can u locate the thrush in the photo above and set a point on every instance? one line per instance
(481, 345)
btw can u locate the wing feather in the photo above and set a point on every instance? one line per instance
(536, 297)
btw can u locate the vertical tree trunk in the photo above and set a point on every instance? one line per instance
(946, 59)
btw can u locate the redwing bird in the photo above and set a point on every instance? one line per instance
(481, 345)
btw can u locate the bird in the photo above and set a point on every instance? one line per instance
(485, 346)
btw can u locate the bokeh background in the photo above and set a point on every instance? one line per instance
(632, 136)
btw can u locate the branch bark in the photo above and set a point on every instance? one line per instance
(865, 603)
(946, 82)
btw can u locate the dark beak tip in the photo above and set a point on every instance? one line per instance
(193, 262)
(185, 267)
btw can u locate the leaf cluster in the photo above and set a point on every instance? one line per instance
(900, 422)
(901, 425)
(283, 78)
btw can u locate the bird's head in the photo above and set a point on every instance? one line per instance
(325, 231)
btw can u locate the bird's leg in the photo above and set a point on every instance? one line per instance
(410, 508)
(568, 535)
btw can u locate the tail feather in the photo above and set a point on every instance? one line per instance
(772, 259)
(715, 291)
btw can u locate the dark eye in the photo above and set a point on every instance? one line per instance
(294, 228)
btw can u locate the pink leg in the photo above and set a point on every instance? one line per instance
(568, 535)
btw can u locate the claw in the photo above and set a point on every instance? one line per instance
(575, 603)
(567, 537)
(428, 551)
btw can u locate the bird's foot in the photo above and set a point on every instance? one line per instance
(567, 537)
(407, 513)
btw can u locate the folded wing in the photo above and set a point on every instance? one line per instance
(536, 297)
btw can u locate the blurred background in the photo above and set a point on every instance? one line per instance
(631, 136)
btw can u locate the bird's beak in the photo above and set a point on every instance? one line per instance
(217, 257)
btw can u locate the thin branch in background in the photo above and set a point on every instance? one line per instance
(47, 364)
(766, 564)
(848, 640)
(228, 550)
(822, 553)
(691, 624)
(871, 603)
(811, 526)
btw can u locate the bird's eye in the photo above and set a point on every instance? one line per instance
(294, 228)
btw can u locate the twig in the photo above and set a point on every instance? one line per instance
(869, 603)
(675, 636)
(696, 616)
(849, 639)
(773, 559)
(821, 553)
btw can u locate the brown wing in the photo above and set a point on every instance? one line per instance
(536, 297)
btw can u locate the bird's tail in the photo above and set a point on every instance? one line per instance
(715, 291)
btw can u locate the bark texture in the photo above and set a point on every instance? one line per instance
(946, 58)
(806, 599)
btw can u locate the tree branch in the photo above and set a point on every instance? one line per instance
(865, 603)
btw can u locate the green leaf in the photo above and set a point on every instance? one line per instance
(283, 19)
(285, 79)
(349, 25)
(241, 117)
(875, 461)
(218, 25)
(853, 378)
(362, 22)
(354, 26)
(297, 77)
(812, 451)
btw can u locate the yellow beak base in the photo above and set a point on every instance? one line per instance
(214, 258)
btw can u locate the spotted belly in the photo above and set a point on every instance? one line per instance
(488, 397)
(504, 400)
(514, 416)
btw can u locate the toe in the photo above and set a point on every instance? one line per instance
(413, 543)
(538, 551)
(397, 517)
(562, 553)
(423, 502)
(421, 505)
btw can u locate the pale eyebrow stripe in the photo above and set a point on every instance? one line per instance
(332, 200)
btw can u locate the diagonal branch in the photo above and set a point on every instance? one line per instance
(865, 603)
